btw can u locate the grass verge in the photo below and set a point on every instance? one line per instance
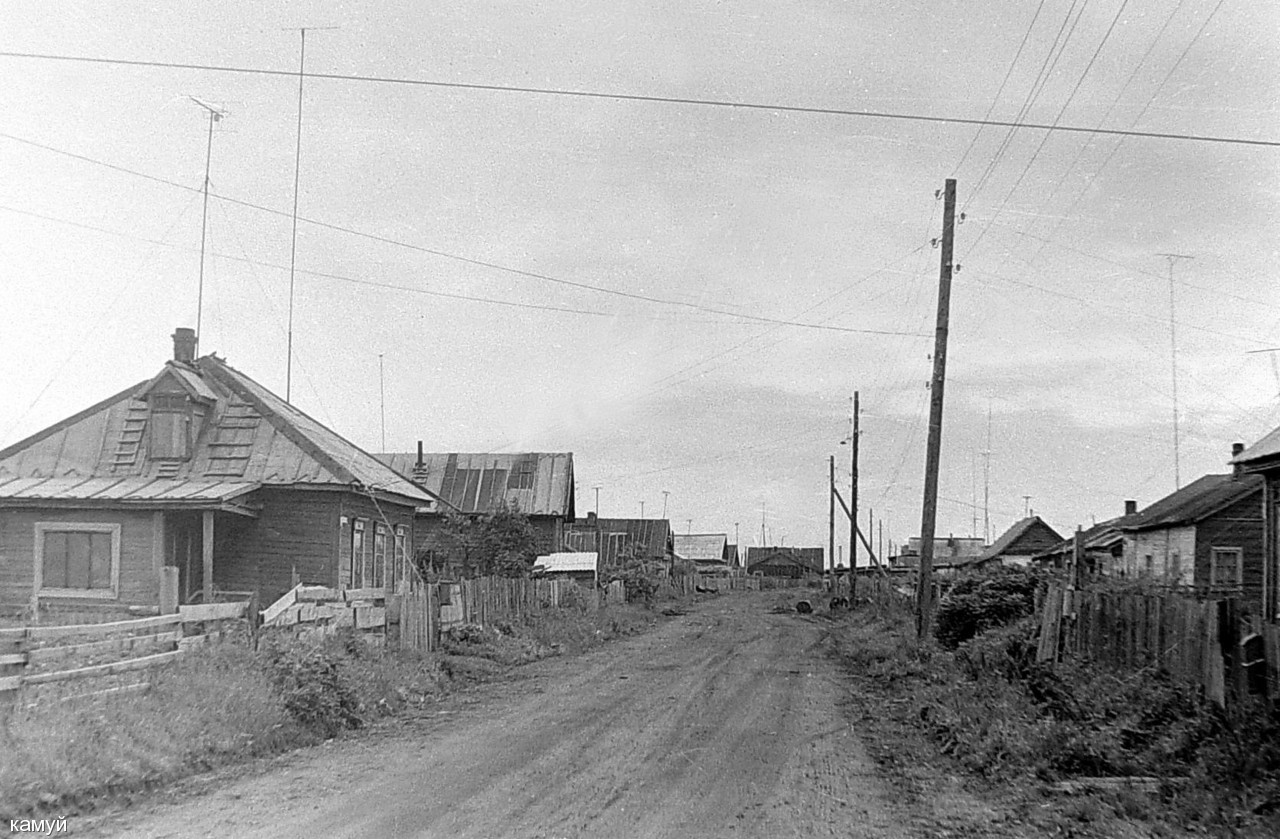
(224, 704)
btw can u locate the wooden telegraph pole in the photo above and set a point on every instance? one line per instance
(929, 515)
(853, 506)
(831, 519)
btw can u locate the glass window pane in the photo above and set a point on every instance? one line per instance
(100, 560)
(78, 560)
(54, 569)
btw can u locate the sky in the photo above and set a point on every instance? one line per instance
(684, 296)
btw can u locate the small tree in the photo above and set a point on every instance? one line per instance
(501, 542)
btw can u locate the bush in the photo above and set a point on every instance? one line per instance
(312, 686)
(976, 604)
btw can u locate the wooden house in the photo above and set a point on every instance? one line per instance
(622, 541)
(1206, 538)
(1101, 551)
(203, 470)
(1263, 458)
(785, 562)
(1017, 545)
(709, 552)
(949, 553)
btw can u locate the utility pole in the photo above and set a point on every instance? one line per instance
(933, 452)
(597, 489)
(1173, 360)
(641, 509)
(688, 527)
(382, 398)
(831, 517)
(762, 538)
(986, 483)
(215, 115)
(853, 505)
(664, 503)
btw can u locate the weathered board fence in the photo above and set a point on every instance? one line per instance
(32, 656)
(1210, 644)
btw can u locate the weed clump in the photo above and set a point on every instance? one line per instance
(979, 603)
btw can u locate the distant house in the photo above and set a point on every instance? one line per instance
(735, 558)
(201, 469)
(1102, 547)
(708, 551)
(538, 484)
(948, 553)
(1017, 545)
(619, 541)
(785, 562)
(581, 567)
(1207, 537)
(1263, 458)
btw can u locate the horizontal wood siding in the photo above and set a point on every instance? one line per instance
(1238, 526)
(393, 515)
(296, 529)
(139, 584)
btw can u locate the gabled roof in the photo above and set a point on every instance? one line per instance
(653, 536)
(1021, 532)
(701, 547)
(539, 483)
(1101, 536)
(248, 437)
(808, 558)
(1265, 450)
(1196, 501)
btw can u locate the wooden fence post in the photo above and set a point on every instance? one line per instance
(13, 661)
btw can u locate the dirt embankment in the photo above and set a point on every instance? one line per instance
(724, 722)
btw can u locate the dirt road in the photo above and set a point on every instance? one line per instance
(720, 723)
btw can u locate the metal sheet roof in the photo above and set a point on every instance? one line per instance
(561, 562)
(810, 558)
(701, 546)
(1011, 536)
(1198, 499)
(134, 489)
(246, 436)
(539, 483)
(1266, 448)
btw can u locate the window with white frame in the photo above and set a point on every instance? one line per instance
(378, 578)
(1226, 568)
(359, 550)
(401, 563)
(77, 559)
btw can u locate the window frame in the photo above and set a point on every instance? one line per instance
(179, 407)
(1215, 553)
(44, 527)
(379, 569)
(359, 536)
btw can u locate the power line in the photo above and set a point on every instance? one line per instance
(634, 97)
(481, 263)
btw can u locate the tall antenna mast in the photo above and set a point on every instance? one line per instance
(215, 115)
(293, 242)
(1173, 361)
(382, 396)
(986, 483)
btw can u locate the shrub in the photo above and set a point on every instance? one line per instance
(312, 686)
(976, 604)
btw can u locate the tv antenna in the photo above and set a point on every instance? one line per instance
(1173, 362)
(216, 113)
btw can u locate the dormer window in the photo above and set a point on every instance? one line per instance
(171, 420)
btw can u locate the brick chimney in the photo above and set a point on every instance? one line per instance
(1237, 469)
(184, 345)
(1130, 507)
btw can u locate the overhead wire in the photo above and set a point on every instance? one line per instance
(635, 97)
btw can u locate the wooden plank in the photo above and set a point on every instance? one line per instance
(1215, 687)
(1049, 625)
(353, 594)
(318, 594)
(371, 617)
(45, 633)
(13, 658)
(119, 645)
(206, 553)
(16, 633)
(213, 611)
(10, 682)
(103, 669)
(286, 600)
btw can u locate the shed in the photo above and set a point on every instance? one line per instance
(582, 567)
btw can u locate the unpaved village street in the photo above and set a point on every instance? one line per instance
(721, 722)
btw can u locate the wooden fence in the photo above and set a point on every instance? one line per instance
(31, 656)
(1208, 644)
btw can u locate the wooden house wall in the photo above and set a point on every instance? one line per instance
(395, 515)
(1237, 526)
(295, 530)
(139, 579)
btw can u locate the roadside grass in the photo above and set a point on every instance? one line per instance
(1016, 727)
(226, 703)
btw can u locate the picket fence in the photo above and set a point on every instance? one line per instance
(1210, 645)
(32, 656)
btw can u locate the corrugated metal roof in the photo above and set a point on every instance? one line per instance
(560, 562)
(539, 483)
(1198, 499)
(124, 490)
(701, 546)
(247, 435)
(647, 539)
